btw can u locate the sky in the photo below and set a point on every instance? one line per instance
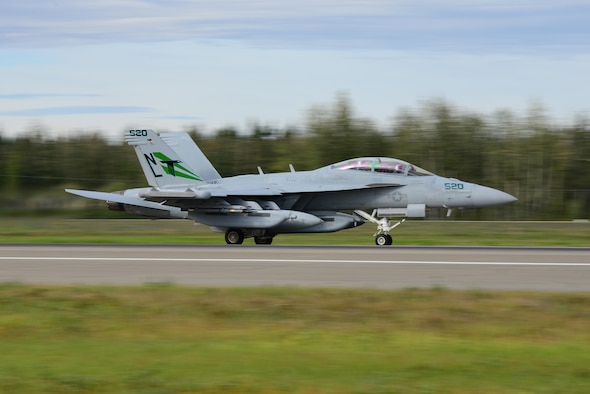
(71, 66)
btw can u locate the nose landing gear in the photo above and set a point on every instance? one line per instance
(384, 226)
(383, 239)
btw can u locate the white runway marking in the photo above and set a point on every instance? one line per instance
(456, 268)
(299, 261)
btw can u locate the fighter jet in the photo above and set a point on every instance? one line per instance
(184, 184)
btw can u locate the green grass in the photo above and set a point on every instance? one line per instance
(162, 338)
(412, 232)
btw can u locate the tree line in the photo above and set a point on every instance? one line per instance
(546, 166)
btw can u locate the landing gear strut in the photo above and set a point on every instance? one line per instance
(384, 226)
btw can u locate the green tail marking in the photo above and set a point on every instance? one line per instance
(174, 168)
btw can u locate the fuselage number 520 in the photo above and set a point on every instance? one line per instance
(454, 186)
(138, 133)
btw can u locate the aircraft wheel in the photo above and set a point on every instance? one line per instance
(389, 240)
(263, 240)
(383, 239)
(234, 236)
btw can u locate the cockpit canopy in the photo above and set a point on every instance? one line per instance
(381, 165)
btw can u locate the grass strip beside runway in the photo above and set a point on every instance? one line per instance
(166, 338)
(412, 232)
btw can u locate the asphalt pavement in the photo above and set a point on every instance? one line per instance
(500, 268)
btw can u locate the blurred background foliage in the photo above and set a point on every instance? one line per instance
(547, 166)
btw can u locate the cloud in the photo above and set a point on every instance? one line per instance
(181, 117)
(76, 110)
(419, 25)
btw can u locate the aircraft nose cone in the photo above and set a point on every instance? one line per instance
(484, 196)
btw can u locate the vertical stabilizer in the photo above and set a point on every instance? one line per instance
(187, 149)
(161, 165)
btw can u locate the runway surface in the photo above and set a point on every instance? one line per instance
(553, 269)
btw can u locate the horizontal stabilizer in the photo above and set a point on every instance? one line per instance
(114, 197)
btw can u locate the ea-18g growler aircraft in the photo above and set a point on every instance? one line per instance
(184, 184)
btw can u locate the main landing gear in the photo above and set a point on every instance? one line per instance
(236, 236)
(384, 226)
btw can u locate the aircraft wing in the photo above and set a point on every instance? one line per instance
(205, 193)
(319, 188)
(382, 184)
(251, 192)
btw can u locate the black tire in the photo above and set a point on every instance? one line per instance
(263, 240)
(234, 236)
(381, 240)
